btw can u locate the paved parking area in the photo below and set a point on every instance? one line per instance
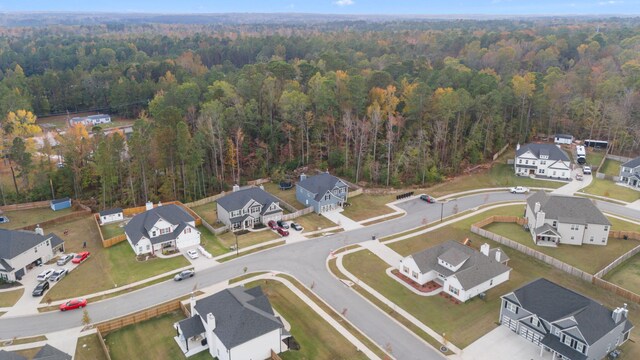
(503, 344)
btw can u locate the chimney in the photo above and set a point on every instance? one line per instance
(536, 208)
(303, 177)
(540, 216)
(625, 311)
(616, 315)
(192, 303)
(39, 230)
(498, 255)
(211, 320)
(484, 249)
(518, 147)
(236, 187)
(149, 205)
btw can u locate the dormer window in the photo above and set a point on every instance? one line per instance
(153, 233)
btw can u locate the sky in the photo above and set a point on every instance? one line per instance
(409, 7)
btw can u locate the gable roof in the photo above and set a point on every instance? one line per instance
(48, 352)
(240, 314)
(238, 199)
(58, 201)
(6, 355)
(140, 224)
(110, 211)
(568, 209)
(15, 242)
(453, 256)
(319, 184)
(564, 136)
(477, 269)
(553, 302)
(191, 326)
(633, 163)
(554, 152)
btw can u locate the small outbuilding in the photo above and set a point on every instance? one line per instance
(111, 215)
(59, 204)
(563, 139)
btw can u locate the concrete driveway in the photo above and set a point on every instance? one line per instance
(503, 344)
(342, 221)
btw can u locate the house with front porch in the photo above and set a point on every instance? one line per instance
(246, 208)
(630, 173)
(324, 192)
(235, 323)
(542, 160)
(462, 271)
(555, 219)
(21, 251)
(165, 227)
(569, 325)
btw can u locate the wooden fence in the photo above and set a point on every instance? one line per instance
(355, 192)
(105, 348)
(274, 356)
(257, 182)
(622, 159)
(629, 235)
(58, 220)
(206, 200)
(26, 206)
(600, 274)
(298, 213)
(604, 284)
(108, 326)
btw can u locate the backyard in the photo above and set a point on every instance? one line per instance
(611, 167)
(610, 189)
(208, 212)
(21, 218)
(594, 158)
(285, 195)
(210, 242)
(627, 274)
(89, 348)
(367, 206)
(112, 230)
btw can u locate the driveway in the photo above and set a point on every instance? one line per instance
(503, 344)
(342, 221)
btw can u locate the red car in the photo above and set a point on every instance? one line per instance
(80, 257)
(272, 225)
(282, 231)
(73, 304)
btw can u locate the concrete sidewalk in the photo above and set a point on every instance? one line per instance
(344, 222)
(382, 251)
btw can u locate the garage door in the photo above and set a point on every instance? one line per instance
(530, 335)
(508, 322)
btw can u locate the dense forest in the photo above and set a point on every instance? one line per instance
(386, 103)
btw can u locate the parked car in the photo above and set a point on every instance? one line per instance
(183, 275)
(73, 304)
(579, 177)
(64, 259)
(40, 288)
(58, 274)
(296, 226)
(282, 224)
(192, 254)
(519, 190)
(45, 275)
(427, 198)
(4, 219)
(282, 232)
(586, 170)
(80, 257)
(272, 225)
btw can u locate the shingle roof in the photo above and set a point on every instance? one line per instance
(4, 266)
(241, 314)
(544, 228)
(453, 256)
(140, 224)
(319, 184)
(110, 211)
(58, 201)
(553, 302)
(564, 136)
(633, 163)
(238, 199)
(555, 343)
(554, 152)
(48, 352)
(191, 326)
(55, 240)
(477, 269)
(568, 209)
(15, 242)
(6, 355)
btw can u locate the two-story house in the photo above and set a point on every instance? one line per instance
(22, 250)
(542, 160)
(165, 227)
(555, 219)
(630, 173)
(237, 323)
(324, 192)
(462, 271)
(569, 325)
(246, 208)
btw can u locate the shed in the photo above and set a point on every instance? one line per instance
(111, 215)
(563, 139)
(59, 204)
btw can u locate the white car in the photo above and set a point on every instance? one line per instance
(586, 170)
(192, 254)
(58, 274)
(519, 190)
(45, 275)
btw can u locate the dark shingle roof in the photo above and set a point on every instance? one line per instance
(555, 343)
(633, 163)
(4, 266)
(240, 314)
(15, 242)
(191, 327)
(564, 136)
(58, 201)
(546, 227)
(55, 240)
(454, 256)
(48, 352)
(477, 269)
(140, 224)
(553, 302)
(319, 184)
(238, 199)
(6, 355)
(110, 211)
(568, 209)
(554, 152)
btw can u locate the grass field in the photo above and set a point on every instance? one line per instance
(289, 196)
(367, 206)
(627, 274)
(112, 230)
(21, 218)
(208, 212)
(608, 188)
(210, 242)
(89, 348)
(594, 158)
(251, 238)
(611, 167)
(9, 298)
(313, 222)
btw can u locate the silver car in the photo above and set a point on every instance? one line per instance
(64, 259)
(58, 275)
(184, 275)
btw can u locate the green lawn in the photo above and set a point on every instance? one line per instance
(627, 274)
(9, 298)
(21, 218)
(211, 243)
(367, 206)
(208, 212)
(251, 238)
(112, 230)
(608, 188)
(611, 167)
(594, 158)
(150, 339)
(317, 339)
(89, 348)
(313, 222)
(289, 196)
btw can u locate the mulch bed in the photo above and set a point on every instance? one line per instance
(428, 287)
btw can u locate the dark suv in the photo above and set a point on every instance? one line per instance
(282, 224)
(41, 288)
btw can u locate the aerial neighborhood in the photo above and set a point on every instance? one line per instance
(316, 181)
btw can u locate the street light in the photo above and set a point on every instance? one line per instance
(442, 208)
(236, 235)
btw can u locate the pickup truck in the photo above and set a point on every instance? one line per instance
(519, 190)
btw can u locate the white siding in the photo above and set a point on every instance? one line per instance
(188, 237)
(40, 251)
(106, 219)
(474, 291)
(258, 348)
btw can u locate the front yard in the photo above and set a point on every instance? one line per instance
(9, 298)
(89, 348)
(247, 239)
(313, 222)
(21, 218)
(611, 167)
(367, 206)
(610, 189)
(210, 242)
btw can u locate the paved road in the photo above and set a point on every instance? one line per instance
(306, 260)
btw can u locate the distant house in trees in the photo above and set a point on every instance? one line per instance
(91, 120)
(111, 215)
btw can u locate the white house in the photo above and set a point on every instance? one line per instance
(111, 215)
(462, 271)
(91, 119)
(630, 173)
(542, 160)
(246, 208)
(22, 250)
(237, 323)
(555, 219)
(160, 228)
(563, 139)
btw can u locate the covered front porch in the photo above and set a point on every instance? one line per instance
(190, 336)
(547, 236)
(558, 350)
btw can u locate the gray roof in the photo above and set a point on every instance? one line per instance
(553, 302)
(191, 327)
(544, 228)
(110, 211)
(568, 209)
(477, 269)
(48, 352)
(141, 224)
(238, 199)
(564, 136)
(6, 355)
(241, 314)
(633, 163)
(554, 152)
(15, 242)
(55, 240)
(454, 256)
(557, 345)
(58, 201)
(4, 266)
(320, 184)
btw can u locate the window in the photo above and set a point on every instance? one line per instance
(519, 161)
(575, 227)
(554, 173)
(541, 171)
(555, 223)
(534, 321)
(591, 238)
(606, 228)
(414, 274)
(604, 240)
(557, 331)
(405, 269)
(491, 282)
(165, 231)
(327, 197)
(187, 230)
(573, 237)
(255, 209)
(148, 247)
(139, 249)
(454, 290)
(511, 307)
(526, 162)
(626, 336)
(586, 226)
